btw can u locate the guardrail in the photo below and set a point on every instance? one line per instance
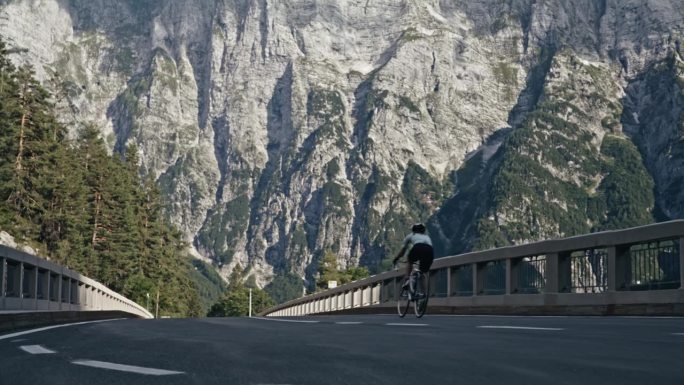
(30, 283)
(633, 271)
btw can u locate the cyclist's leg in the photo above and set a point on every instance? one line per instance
(427, 256)
(413, 257)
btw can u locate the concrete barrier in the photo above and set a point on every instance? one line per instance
(31, 284)
(26, 320)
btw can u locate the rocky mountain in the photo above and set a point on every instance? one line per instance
(282, 129)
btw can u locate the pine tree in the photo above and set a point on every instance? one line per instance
(83, 207)
(10, 109)
(235, 301)
(327, 270)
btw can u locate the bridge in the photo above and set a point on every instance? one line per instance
(529, 314)
(637, 271)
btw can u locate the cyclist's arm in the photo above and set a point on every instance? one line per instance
(400, 254)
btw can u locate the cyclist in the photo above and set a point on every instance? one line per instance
(419, 246)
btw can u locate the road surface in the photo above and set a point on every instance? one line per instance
(368, 349)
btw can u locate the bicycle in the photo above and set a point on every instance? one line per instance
(408, 293)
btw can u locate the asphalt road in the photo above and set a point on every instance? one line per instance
(351, 350)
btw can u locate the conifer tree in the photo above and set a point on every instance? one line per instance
(83, 207)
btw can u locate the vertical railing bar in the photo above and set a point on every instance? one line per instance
(3, 284)
(21, 283)
(680, 246)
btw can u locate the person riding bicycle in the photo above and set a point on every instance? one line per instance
(419, 246)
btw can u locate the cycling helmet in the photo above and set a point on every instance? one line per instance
(418, 228)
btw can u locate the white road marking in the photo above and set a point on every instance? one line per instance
(403, 324)
(641, 316)
(19, 340)
(286, 320)
(17, 334)
(503, 316)
(125, 368)
(348, 323)
(36, 349)
(678, 334)
(517, 327)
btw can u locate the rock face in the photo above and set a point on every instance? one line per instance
(281, 129)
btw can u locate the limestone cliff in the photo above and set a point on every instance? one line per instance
(280, 129)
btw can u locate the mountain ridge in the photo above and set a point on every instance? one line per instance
(279, 130)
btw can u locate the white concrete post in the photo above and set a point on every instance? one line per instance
(681, 263)
(70, 293)
(478, 278)
(59, 291)
(48, 288)
(35, 287)
(449, 288)
(376, 294)
(21, 283)
(512, 275)
(3, 282)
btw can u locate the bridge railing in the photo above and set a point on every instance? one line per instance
(640, 268)
(30, 283)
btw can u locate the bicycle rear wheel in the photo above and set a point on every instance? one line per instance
(403, 302)
(420, 304)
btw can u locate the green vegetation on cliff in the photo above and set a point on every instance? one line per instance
(235, 300)
(83, 208)
(328, 270)
(556, 177)
(625, 196)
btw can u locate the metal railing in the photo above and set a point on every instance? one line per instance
(30, 283)
(638, 266)
(588, 271)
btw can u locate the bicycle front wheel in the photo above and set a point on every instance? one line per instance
(403, 302)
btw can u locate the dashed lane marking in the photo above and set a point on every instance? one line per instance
(496, 316)
(678, 334)
(17, 334)
(517, 328)
(287, 320)
(125, 368)
(404, 324)
(36, 349)
(19, 340)
(348, 323)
